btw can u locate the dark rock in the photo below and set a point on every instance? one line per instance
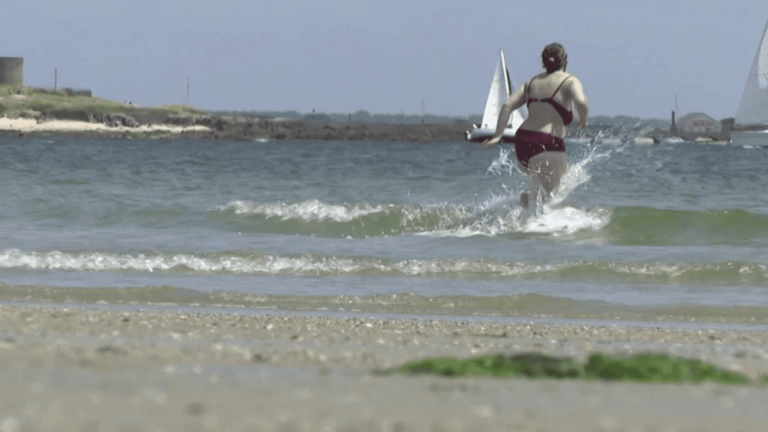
(72, 115)
(214, 122)
(116, 120)
(180, 120)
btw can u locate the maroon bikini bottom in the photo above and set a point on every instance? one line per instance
(528, 144)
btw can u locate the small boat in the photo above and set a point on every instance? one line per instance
(708, 140)
(644, 140)
(501, 88)
(672, 140)
(751, 121)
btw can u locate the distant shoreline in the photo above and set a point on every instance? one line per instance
(40, 112)
(242, 128)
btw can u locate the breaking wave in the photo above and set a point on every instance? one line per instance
(254, 263)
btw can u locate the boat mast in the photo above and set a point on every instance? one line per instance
(507, 80)
(677, 109)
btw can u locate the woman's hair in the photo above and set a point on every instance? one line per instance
(554, 57)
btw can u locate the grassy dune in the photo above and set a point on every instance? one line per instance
(30, 102)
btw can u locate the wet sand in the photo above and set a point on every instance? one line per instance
(101, 369)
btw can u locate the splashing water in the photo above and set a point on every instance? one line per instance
(499, 214)
(550, 216)
(502, 163)
(576, 175)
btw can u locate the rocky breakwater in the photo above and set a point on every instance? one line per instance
(251, 128)
(303, 129)
(138, 122)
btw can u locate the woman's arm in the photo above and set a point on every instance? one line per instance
(513, 102)
(576, 91)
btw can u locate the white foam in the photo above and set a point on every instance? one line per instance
(566, 220)
(257, 264)
(254, 263)
(318, 265)
(311, 211)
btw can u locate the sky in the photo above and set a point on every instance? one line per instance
(394, 56)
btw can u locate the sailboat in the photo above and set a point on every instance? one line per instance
(501, 88)
(751, 122)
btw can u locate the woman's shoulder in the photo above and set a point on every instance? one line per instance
(561, 79)
(554, 76)
(571, 77)
(571, 80)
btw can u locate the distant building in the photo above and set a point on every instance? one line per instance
(12, 71)
(698, 125)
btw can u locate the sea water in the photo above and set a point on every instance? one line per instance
(667, 232)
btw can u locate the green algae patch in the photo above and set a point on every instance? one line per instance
(641, 367)
(528, 365)
(657, 367)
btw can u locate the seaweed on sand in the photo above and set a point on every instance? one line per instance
(647, 367)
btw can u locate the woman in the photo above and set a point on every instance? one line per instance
(540, 140)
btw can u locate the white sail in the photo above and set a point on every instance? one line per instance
(496, 96)
(753, 107)
(519, 115)
(501, 88)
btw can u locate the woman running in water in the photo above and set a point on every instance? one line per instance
(551, 98)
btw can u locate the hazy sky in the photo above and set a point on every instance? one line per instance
(386, 56)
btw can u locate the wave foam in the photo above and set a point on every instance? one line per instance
(323, 265)
(567, 221)
(312, 210)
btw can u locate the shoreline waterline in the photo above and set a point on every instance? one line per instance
(657, 322)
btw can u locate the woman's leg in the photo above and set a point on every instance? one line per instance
(533, 186)
(532, 193)
(548, 169)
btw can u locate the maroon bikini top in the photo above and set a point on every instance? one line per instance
(566, 115)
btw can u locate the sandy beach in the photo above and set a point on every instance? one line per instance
(138, 368)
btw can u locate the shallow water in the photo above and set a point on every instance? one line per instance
(635, 233)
